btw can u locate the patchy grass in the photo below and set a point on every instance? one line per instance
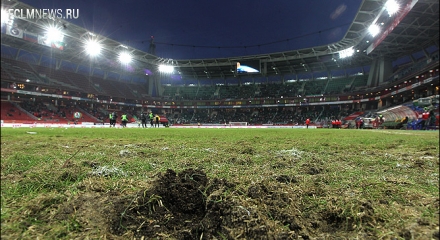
(219, 183)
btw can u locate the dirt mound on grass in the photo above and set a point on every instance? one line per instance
(189, 206)
(181, 206)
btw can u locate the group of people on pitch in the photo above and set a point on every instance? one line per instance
(154, 120)
(114, 116)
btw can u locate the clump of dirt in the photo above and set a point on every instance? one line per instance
(181, 206)
(189, 205)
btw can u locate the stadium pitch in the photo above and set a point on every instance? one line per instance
(167, 183)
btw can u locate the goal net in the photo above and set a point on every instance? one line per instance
(238, 124)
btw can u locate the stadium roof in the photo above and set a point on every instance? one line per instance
(409, 32)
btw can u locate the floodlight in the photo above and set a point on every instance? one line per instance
(124, 57)
(374, 30)
(93, 48)
(54, 34)
(392, 7)
(5, 16)
(166, 68)
(346, 52)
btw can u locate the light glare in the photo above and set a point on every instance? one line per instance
(93, 48)
(54, 35)
(5, 16)
(392, 7)
(166, 68)
(374, 30)
(346, 53)
(124, 57)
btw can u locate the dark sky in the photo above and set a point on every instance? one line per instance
(193, 29)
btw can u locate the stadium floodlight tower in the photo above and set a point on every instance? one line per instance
(392, 7)
(125, 57)
(166, 69)
(374, 30)
(93, 48)
(346, 53)
(54, 34)
(5, 16)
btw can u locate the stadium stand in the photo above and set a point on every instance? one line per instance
(11, 112)
(52, 90)
(337, 85)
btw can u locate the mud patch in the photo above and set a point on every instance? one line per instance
(189, 205)
(181, 206)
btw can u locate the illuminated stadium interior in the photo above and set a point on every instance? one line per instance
(389, 56)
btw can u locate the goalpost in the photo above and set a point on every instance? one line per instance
(238, 124)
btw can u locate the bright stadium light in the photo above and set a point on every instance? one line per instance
(124, 57)
(54, 34)
(374, 30)
(346, 53)
(93, 48)
(5, 16)
(166, 68)
(392, 7)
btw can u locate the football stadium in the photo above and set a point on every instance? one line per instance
(110, 139)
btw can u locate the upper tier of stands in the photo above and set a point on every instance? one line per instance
(19, 71)
(44, 76)
(266, 90)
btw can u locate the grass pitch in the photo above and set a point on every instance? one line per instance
(249, 184)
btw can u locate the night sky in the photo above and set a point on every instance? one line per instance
(193, 29)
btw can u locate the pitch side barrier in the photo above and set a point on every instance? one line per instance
(135, 125)
(64, 125)
(229, 126)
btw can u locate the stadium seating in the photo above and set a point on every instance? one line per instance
(189, 93)
(170, 91)
(108, 87)
(10, 113)
(14, 73)
(229, 92)
(206, 92)
(337, 85)
(359, 82)
(264, 92)
(86, 116)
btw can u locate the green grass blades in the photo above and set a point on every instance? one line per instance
(59, 183)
